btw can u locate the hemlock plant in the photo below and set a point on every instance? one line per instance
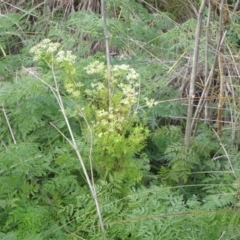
(108, 109)
(119, 130)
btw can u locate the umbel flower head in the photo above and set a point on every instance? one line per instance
(46, 50)
(45, 47)
(65, 56)
(124, 78)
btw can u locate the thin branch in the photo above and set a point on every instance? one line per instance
(72, 142)
(91, 148)
(108, 56)
(226, 153)
(106, 33)
(223, 233)
(234, 117)
(236, 6)
(202, 100)
(206, 113)
(75, 147)
(193, 75)
(220, 67)
(76, 236)
(220, 100)
(9, 125)
(4, 145)
(16, 165)
(63, 135)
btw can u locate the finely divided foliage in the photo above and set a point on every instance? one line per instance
(90, 151)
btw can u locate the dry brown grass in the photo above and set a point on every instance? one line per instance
(68, 6)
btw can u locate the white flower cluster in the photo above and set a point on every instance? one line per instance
(109, 121)
(98, 86)
(130, 95)
(116, 71)
(129, 88)
(116, 68)
(65, 56)
(72, 89)
(95, 67)
(150, 102)
(44, 47)
(131, 74)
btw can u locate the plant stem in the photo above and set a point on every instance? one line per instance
(193, 75)
(108, 57)
(8, 123)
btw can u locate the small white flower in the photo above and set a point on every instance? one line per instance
(124, 101)
(52, 47)
(100, 86)
(95, 67)
(101, 113)
(121, 67)
(88, 92)
(65, 56)
(104, 122)
(79, 84)
(44, 47)
(45, 41)
(150, 102)
(76, 93)
(132, 75)
(111, 116)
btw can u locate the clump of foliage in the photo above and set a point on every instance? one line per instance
(127, 121)
(46, 195)
(108, 105)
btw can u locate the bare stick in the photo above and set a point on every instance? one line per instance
(206, 113)
(106, 33)
(202, 101)
(16, 165)
(107, 37)
(220, 100)
(234, 117)
(75, 147)
(223, 233)
(226, 153)
(236, 6)
(73, 143)
(8, 123)
(220, 66)
(63, 135)
(206, 89)
(193, 75)
(91, 144)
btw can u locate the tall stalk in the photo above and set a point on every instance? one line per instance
(72, 141)
(206, 109)
(108, 56)
(208, 81)
(221, 76)
(193, 75)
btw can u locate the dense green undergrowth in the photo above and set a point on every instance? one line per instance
(128, 128)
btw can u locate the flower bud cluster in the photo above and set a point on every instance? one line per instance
(150, 102)
(95, 67)
(109, 121)
(65, 56)
(46, 49)
(124, 81)
(73, 89)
